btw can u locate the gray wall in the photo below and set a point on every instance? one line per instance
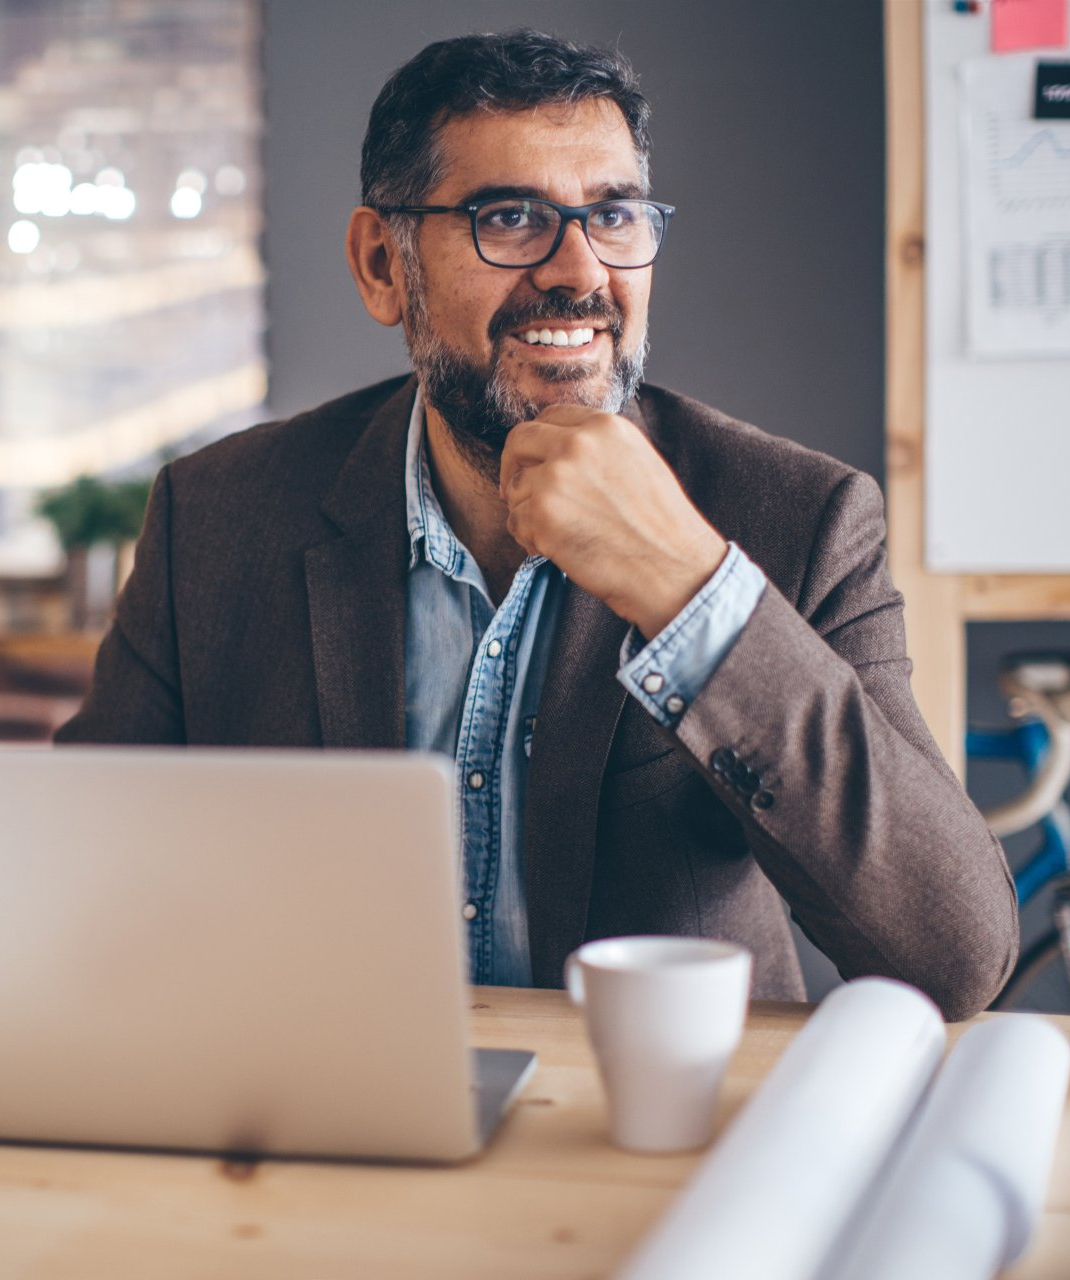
(768, 137)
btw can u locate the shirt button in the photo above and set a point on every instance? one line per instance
(653, 683)
(674, 704)
(469, 911)
(494, 648)
(723, 759)
(762, 800)
(476, 780)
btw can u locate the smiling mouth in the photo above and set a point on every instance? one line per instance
(557, 337)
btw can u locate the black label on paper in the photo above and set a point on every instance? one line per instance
(1053, 91)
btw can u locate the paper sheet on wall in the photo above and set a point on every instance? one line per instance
(1016, 213)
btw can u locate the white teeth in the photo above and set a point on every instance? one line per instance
(559, 337)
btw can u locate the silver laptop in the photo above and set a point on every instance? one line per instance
(242, 951)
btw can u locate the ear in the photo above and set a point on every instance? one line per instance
(376, 265)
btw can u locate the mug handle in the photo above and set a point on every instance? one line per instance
(574, 978)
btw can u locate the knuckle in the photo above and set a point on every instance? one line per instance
(555, 475)
(547, 509)
(577, 445)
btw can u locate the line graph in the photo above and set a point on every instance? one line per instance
(1045, 137)
(1029, 167)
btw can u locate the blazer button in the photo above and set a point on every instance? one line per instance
(723, 759)
(762, 800)
(745, 779)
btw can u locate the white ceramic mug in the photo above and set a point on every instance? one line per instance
(664, 1016)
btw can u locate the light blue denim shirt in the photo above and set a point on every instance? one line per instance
(473, 678)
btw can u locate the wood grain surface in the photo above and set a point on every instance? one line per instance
(549, 1198)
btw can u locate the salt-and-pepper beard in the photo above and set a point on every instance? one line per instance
(478, 405)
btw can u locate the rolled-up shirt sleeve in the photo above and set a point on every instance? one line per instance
(667, 673)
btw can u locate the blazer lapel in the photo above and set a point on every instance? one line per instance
(356, 589)
(581, 703)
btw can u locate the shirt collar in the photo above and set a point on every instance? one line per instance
(429, 531)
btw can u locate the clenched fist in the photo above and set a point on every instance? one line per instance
(588, 490)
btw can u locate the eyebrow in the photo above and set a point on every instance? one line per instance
(628, 190)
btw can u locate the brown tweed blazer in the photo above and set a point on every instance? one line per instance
(267, 607)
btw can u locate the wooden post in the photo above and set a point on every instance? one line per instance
(935, 631)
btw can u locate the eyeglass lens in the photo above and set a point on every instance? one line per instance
(622, 233)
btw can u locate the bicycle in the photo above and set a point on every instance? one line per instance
(1037, 689)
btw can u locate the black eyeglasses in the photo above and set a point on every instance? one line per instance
(518, 232)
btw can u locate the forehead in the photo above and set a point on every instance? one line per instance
(586, 145)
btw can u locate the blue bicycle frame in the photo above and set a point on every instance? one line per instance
(1026, 743)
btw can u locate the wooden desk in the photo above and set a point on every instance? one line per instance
(550, 1197)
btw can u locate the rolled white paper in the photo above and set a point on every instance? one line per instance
(964, 1193)
(780, 1185)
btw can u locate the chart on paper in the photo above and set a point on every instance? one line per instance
(1029, 164)
(1016, 231)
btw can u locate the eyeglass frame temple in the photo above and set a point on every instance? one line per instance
(567, 212)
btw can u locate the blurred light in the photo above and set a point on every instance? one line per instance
(117, 203)
(186, 203)
(80, 302)
(42, 188)
(123, 438)
(229, 180)
(84, 198)
(26, 199)
(194, 179)
(27, 155)
(23, 236)
(56, 202)
(46, 188)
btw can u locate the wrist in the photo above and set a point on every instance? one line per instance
(655, 602)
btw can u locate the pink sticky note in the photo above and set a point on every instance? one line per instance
(1028, 24)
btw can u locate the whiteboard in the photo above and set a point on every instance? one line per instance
(997, 440)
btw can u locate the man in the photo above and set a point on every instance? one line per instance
(662, 646)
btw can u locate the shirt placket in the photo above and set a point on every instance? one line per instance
(479, 768)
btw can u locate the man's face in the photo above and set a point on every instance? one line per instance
(466, 321)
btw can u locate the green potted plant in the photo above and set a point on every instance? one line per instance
(90, 512)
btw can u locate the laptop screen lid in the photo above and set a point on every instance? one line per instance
(243, 950)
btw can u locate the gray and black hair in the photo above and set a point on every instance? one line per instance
(507, 71)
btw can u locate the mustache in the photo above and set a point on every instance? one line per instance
(550, 307)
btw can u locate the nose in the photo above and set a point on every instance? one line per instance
(574, 268)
